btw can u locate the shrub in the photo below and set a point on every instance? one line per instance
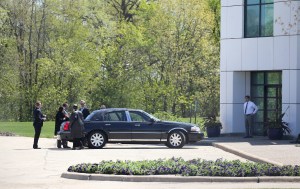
(195, 167)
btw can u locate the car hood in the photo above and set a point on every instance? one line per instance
(177, 123)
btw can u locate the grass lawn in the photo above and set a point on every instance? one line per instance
(26, 128)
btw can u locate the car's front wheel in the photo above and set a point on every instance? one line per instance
(97, 139)
(176, 139)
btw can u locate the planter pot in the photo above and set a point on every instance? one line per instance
(213, 131)
(275, 133)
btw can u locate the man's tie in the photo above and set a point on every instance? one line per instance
(246, 108)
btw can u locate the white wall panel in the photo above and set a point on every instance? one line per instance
(282, 18)
(265, 53)
(229, 121)
(295, 18)
(249, 54)
(238, 117)
(234, 54)
(293, 86)
(232, 2)
(285, 86)
(223, 87)
(294, 52)
(225, 46)
(229, 88)
(281, 52)
(223, 118)
(224, 23)
(235, 22)
(239, 87)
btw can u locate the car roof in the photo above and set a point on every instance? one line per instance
(116, 109)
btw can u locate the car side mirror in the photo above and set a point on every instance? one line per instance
(152, 120)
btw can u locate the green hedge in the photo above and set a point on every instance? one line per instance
(195, 167)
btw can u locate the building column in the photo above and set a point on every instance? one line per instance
(234, 87)
(291, 99)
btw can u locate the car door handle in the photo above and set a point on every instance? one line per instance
(137, 125)
(107, 124)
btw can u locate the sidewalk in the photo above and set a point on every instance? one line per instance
(259, 149)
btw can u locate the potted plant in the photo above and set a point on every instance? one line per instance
(277, 128)
(213, 126)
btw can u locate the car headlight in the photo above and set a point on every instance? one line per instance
(195, 129)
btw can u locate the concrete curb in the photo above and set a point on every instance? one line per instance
(174, 178)
(244, 154)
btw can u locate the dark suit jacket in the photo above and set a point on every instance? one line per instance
(85, 112)
(76, 124)
(38, 118)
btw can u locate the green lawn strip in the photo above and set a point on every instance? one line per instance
(26, 128)
(178, 166)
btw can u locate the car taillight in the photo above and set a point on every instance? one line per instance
(66, 126)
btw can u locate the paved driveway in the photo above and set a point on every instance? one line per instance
(23, 167)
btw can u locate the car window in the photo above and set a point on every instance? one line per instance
(139, 116)
(97, 117)
(115, 116)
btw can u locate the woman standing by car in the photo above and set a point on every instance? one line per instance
(60, 117)
(77, 128)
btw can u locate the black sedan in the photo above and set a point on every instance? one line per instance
(121, 125)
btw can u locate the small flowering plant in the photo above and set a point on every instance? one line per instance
(195, 167)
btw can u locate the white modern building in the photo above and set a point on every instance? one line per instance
(260, 57)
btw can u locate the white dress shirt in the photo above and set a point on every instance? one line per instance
(251, 108)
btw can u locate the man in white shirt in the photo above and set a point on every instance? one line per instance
(250, 110)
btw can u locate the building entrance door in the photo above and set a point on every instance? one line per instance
(273, 103)
(266, 93)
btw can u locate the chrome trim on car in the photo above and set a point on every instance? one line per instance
(141, 140)
(119, 132)
(137, 132)
(121, 140)
(146, 132)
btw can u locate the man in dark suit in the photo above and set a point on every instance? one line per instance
(39, 118)
(84, 110)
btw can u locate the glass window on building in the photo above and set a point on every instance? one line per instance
(258, 18)
(266, 93)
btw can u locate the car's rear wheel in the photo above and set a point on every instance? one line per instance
(97, 139)
(176, 139)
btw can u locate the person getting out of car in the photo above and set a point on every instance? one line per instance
(77, 128)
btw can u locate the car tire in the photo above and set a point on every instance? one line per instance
(97, 140)
(176, 139)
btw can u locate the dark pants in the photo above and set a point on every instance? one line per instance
(249, 125)
(37, 130)
(77, 142)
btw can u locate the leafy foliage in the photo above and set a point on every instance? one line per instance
(153, 55)
(195, 167)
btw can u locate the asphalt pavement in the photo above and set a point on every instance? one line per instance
(24, 167)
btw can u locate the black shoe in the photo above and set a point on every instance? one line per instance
(36, 147)
(66, 147)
